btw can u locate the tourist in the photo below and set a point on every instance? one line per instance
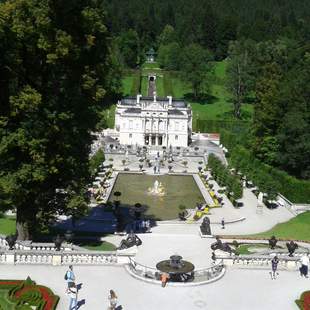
(164, 277)
(223, 223)
(72, 292)
(274, 267)
(147, 226)
(113, 300)
(213, 257)
(70, 276)
(304, 265)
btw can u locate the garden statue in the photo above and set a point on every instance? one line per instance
(291, 246)
(182, 216)
(205, 226)
(58, 241)
(69, 236)
(272, 242)
(11, 240)
(219, 245)
(130, 241)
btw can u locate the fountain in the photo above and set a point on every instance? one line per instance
(157, 189)
(178, 269)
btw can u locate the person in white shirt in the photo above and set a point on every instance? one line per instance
(72, 293)
(113, 300)
(304, 265)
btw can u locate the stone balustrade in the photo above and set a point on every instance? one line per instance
(63, 257)
(260, 261)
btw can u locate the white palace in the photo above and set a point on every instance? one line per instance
(153, 121)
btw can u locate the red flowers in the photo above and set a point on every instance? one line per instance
(307, 301)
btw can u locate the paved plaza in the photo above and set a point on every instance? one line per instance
(238, 289)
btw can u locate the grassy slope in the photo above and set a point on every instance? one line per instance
(297, 228)
(218, 107)
(127, 82)
(7, 225)
(144, 86)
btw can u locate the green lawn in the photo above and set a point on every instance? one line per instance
(160, 87)
(98, 246)
(7, 225)
(127, 84)
(153, 65)
(297, 228)
(144, 86)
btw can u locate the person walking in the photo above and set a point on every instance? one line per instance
(112, 300)
(274, 267)
(164, 277)
(304, 266)
(223, 223)
(69, 276)
(72, 292)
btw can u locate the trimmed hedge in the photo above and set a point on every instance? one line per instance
(26, 294)
(304, 301)
(136, 85)
(233, 126)
(168, 89)
(269, 179)
(224, 177)
(96, 160)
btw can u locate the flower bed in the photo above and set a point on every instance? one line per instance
(304, 302)
(27, 293)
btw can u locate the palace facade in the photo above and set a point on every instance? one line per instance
(153, 121)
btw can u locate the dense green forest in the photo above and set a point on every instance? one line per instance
(210, 23)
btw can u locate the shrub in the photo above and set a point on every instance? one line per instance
(269, 179)
(224, 177)
(96, 160)
(26, 294)
(304, 301)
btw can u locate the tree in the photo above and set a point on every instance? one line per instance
(54, 62)
(128, 44)
(195, 67)
(167, 36)
(240, 73)
(169, 56)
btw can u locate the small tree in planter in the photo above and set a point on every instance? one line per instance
(200, 162)
(199, 169)
(184, 163)
(111, 159)
(141, 160)
(140, 167)
(170, 168)
(123, 162)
